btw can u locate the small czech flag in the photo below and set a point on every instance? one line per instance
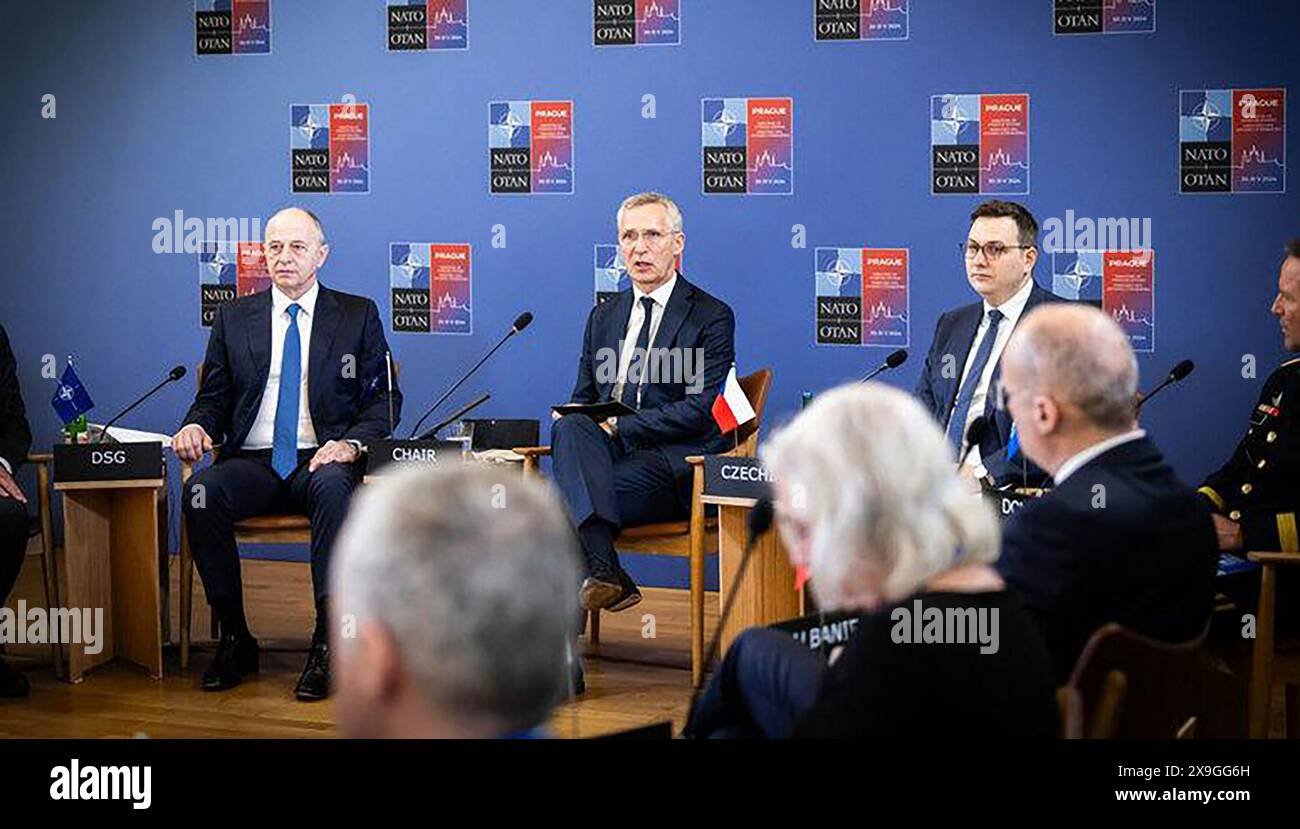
(732, 408)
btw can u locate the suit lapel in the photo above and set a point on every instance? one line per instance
(324, 327)
(259, 338)
(610, 336)
(679, 305)
(960, 344)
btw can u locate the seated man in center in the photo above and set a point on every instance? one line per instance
(663, 348)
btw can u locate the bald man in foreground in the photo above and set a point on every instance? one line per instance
(1120, 538)
(293, 387)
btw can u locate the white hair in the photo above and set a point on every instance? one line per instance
(650, 197)
(872, 476)
(474, 573)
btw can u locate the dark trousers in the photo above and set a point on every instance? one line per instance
(602, 479)
(244, 486)
(13, 543)
(765, 684)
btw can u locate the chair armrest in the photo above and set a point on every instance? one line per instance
(695, 460)
(40, 458)
(1274, 558)
(532, 451)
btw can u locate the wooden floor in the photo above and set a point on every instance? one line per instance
(633, 681)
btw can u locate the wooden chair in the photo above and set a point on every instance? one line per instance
(1128, 686)
(691, 538)
(262, 529)
(1273, 661)
(43, 524)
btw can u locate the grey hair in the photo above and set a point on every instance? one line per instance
(873, 476)
(1079, 354)
(474, 573)
(650, 197)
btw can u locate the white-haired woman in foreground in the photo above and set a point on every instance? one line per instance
(869, 502)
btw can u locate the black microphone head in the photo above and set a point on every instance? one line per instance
(522, 321)
(1181, 370)
(177, 373)
(760, 518)
(897, 358)
(978, 428)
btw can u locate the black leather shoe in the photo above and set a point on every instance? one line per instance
(314, 684)
(630, 596)
(14, 685)
(236, 657)
(599, 592)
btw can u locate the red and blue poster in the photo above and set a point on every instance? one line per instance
(1103, 17)
(862, 296)
(1120, 282)
(431, 288)
(979, 144)
(232, 27)
(1232, 141)
(860, 20)
(748, 146)
(330, 146)
(530, 147)
(228, 270)
(419, 25)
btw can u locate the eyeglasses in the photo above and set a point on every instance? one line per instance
(992, 250)
(653, 238)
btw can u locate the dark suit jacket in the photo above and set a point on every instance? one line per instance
(1146, 559)
(955, 334)
(342, 407)
(15, 434)
(672, 419)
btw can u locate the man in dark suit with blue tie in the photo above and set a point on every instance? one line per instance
(1120, 538)
(664, 348)
(960, 377)
(292, 389)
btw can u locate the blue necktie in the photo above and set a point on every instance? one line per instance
(961, 407)
(284, 445)
(639, 366)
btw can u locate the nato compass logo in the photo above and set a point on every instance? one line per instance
(611, 274)
(636, 23)
(1076, 275)
(860, 20)
(955, 143)
(232, 27)
(1111, 17)
(417, 25)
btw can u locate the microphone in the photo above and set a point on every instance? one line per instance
(760, 521)
(892, 361)
(979, 427)
(456, 415)
(388, 360)
(1175, 375)
(521, 322)
(175, 374)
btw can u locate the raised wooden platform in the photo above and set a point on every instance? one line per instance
(121, 701)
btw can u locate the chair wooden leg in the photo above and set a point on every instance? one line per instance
(593, 627)
(186, 579)
(1261, 674)
(49, 571)
(697, 579)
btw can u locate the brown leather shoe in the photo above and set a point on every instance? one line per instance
(598, 594)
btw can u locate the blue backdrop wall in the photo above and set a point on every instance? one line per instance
(145, 128)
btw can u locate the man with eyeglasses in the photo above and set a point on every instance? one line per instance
(960, 377)
(292, 388)
(632, 470)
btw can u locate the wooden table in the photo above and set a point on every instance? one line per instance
(115, 537)
(766, 594)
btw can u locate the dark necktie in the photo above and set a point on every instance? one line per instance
(638, 366)
(961, 407)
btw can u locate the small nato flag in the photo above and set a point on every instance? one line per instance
(71, 400)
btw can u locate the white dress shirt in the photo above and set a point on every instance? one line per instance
(660, 297)
(1077, 460)
(1011, 311)
(262, 434)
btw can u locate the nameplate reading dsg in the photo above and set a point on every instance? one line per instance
(381, 453)
(107, 461)
(732, 477)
